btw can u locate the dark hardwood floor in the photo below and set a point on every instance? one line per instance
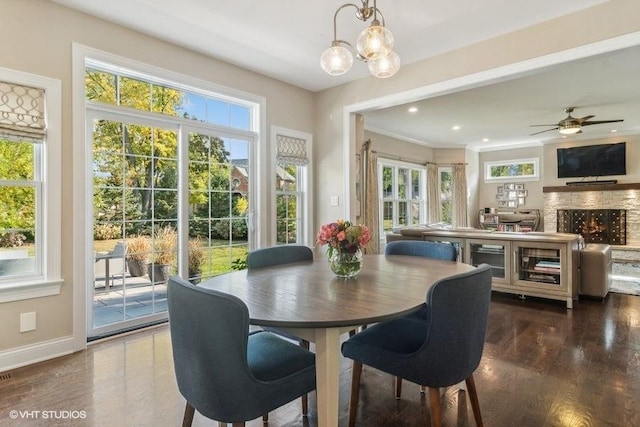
(543, 365)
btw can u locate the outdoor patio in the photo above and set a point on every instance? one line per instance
(126, 298)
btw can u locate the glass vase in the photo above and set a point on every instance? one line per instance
(345, 264)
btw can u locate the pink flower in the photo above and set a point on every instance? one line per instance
(343, 236)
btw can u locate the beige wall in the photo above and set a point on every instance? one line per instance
(46, 49)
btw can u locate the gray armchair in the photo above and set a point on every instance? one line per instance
(439, 351)
(223, 371)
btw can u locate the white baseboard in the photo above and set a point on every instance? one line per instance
(27, 355)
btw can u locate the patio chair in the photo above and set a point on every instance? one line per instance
(117, 257)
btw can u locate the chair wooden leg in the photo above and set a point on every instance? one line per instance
(434, 399)
(473, 396)
(238, 424)
(305, 398)
(265, 418)
(398, 387)
(422, 389)
(355, 392)
(189, 411)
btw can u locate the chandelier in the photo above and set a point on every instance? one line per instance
(373, 46)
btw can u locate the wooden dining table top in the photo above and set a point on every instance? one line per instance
(308, 295)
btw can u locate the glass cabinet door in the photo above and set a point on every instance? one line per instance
(492, 252)
(541, 266)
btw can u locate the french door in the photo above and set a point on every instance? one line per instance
(166, 198)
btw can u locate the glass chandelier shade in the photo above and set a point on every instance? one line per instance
(336, 60)
(386, 66)
(374, 42)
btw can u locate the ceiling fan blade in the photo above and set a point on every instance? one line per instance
(552, 124)
(599, 122)
(543, 131)
(583, 119)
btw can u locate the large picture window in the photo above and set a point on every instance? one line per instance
(172, 189)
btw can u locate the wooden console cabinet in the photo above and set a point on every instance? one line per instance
(535, 264)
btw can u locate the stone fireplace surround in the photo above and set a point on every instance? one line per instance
(599, 196)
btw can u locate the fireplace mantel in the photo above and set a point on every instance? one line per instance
(591, 187)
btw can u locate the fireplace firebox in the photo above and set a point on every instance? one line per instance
(595, 225)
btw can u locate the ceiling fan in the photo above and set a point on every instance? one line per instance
(572, 125)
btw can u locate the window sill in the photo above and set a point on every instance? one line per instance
(28, 290)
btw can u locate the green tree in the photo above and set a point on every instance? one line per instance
(135, 166)
(17, 203)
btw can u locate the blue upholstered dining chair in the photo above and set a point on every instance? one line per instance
(278, 255)
(435, 250)
(422, 248)
(224, 372)
(440, 351)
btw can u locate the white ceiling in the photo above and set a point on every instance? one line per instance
(283, 39)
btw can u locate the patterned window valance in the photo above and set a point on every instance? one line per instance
(291, 150)
(21, 112)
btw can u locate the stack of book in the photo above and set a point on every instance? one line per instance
(549, 271)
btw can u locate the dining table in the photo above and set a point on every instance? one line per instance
(307, 300)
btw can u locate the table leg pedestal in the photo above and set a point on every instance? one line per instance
(327, 375)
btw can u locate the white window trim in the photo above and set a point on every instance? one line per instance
(534, 177)
(305, 181)
(48, 217)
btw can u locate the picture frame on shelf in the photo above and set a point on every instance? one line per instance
(519, 186)
(509, 187)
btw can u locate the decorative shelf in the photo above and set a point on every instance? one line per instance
(591, 187)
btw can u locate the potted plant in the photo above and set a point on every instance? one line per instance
(196, 259)
(138, 248)
(164, 254)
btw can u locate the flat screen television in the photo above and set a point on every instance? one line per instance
(592, 160)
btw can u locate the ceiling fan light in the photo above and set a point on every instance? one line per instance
(569, 129)
(386, 66)
(374, 42)
(336, 60)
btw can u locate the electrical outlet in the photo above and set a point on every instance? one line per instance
(28, 321)
(334, 201)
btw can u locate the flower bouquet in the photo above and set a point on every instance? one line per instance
(345, 241)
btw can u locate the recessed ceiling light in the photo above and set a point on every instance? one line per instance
(413, 109)
(614, 130)
(455, 127)
(485, 139)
